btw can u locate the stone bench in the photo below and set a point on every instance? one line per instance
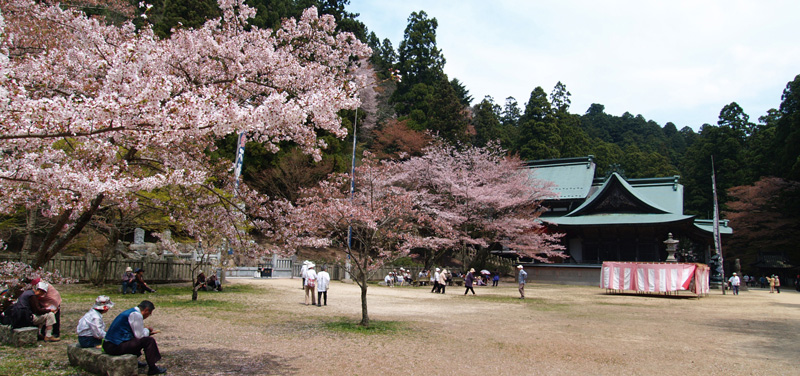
(95, 361)
(20, 336)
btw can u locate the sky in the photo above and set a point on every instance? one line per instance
(670, 61)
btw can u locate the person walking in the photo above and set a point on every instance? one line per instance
(521, 279)
(91, 328)
(468, 280)
(777, 283)
(311, 282)
(323, 282)
(735, 282)
(128, 335)
(442, 280)
(435, 281)
(771, 281)
(496, 278)
(303, 272)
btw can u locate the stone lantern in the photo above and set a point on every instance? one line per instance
(672, 246)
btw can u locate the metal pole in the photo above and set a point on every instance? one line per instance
(352, 193)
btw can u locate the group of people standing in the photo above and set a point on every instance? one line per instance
(315, 281)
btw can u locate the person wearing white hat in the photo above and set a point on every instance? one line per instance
(311, 281)
(51, 300)
(303, 272)
(91, 328)
(735, 283)
(435, 280)
(521, 278)
(128, 281)
(29, 311)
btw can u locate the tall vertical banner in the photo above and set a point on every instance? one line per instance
(237, 165)
(717, 239)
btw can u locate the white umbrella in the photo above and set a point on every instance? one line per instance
(484, 271)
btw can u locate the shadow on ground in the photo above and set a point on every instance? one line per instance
(207, 361)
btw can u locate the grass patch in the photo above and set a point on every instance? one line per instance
(18, 361)
(375, 327)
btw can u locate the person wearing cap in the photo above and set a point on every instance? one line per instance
(128, 335)
(52, 300)
(468, 280)
(735, 282)
(311, 281)
(29, 311)
(141, 286)
(323, 283)
(128, 281)
(91, 328)
(521, 278)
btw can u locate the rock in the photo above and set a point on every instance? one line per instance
(95, 361)
(19, 337)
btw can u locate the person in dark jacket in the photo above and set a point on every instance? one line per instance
(468, 280)
(128, 335)
(28, 311)
(141, 286)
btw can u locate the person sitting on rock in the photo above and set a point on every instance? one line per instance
(141, 286)
(91, 328)
(28, 311)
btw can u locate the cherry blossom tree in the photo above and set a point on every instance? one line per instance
(94, 112)
(480, 196)
(381, 216)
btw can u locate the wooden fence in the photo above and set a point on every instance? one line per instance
(83, 268)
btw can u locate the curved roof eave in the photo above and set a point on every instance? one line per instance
(606, 185)
(618, 219)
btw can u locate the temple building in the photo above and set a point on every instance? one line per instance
(612, 218)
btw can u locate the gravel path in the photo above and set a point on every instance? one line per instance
(559, 330)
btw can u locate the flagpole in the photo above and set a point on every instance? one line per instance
(717, 239)
(352, 193)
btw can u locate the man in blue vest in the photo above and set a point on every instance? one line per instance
(128, 335)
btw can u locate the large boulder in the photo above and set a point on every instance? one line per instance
(95, 361)
(18, 337)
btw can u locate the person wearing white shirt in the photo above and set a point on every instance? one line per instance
(304, 271)
(128, 335)
(323, 282)
(435, 281)
(735, 282)
(311, 281)
(91, 328)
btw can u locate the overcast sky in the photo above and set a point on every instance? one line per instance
(678, 61)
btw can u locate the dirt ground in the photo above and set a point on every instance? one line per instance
(558, 330)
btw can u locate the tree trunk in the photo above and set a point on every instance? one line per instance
(364, 315)
(108, 253)
(50, 247)
(194, 293)
(30, 225)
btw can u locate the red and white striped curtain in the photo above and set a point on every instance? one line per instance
(654, 277)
